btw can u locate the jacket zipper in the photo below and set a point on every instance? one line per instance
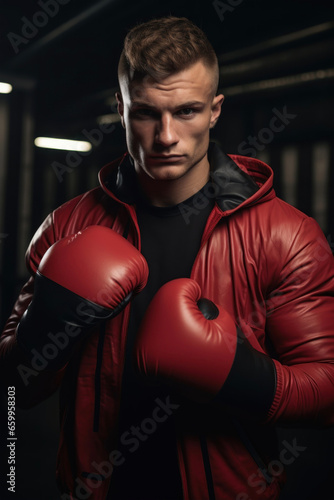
(204, 447)
(252, 451)
(215, 218)
(99, 358)
(207, 468)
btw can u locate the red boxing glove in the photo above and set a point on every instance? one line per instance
(97, 264)
(82, 280)
(178, 344)
(194, 345)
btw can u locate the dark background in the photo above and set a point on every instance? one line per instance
(273, 55)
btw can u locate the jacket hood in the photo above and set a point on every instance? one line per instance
(235, 180)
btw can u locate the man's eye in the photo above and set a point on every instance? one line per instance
(187, 111)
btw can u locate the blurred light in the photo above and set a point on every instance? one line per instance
(5, 88)
(64, 144)
(106, 119)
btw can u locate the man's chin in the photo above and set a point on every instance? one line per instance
(167, 172)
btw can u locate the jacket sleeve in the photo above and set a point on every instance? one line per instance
(300, 324)
(31, 385)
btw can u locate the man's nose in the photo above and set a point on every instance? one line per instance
(166, 134)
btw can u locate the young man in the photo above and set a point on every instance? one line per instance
(233, 290)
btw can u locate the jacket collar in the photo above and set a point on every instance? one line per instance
(231, 185)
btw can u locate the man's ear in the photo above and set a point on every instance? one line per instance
(120, 107)
(216, 108)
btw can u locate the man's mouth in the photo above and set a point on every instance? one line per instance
(166, 157)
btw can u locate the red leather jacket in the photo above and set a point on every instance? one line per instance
(271, 268)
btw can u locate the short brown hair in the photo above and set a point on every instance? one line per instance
(161, 47)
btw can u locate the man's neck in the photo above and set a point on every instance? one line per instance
(164, 193)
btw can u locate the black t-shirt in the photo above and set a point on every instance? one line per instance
(170, 239)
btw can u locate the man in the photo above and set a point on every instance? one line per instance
(236, 311)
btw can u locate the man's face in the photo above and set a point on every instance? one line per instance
(167, 123)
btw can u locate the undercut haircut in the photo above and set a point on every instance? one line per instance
(161, 47)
